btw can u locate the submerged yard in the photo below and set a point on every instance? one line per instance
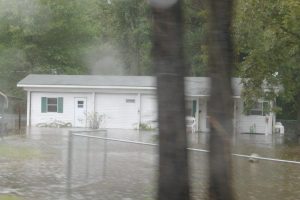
(34, 166)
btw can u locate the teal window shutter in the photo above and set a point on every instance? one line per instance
(44, 104)
(60, 104)
(194, 107)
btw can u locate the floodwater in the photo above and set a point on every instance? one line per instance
(36, 166)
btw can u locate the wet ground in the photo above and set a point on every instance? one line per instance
(35, 166)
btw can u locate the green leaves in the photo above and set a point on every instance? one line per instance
(195, 43)
(267, 33)
(39, 36)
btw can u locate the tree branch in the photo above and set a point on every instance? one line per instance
(290, 32)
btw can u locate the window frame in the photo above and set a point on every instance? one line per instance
(52, 104)
(45, 105)
(261, 110)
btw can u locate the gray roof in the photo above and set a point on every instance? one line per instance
(88, 80)
(194, 85)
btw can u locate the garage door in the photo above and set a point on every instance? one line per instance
(119, 110)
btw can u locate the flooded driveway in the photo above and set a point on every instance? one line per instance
(34, 166)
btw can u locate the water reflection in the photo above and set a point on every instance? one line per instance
(113, 170)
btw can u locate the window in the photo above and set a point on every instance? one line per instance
(260, 108)
(80, 104)
(52, 104)
(191, 107)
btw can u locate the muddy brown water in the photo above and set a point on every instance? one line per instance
(34, 166)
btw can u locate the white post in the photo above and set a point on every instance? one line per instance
(204, 116)
(197, 114)
(93, 102)
(234, 117)
(28, 122)
(139, 109)
(273, 114)
(69, 165)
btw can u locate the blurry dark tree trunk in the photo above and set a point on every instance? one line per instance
(173, 181)
(220, 104)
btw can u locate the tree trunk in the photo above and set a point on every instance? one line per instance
(173, 180)
(220, 105)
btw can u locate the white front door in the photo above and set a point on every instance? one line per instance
(80, 112)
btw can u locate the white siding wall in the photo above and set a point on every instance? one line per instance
(119, 114)
(68, 107)
(149, 110)
(245, 122)
(111, 103)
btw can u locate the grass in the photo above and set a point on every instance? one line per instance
(18, 153)
(9, 197)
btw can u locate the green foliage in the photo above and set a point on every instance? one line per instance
(290, 109)
(40, 36)
(126, 25)
(94, 120)
(146, 127)
(9, 197)
(195, 43)
(74, 37)
(267, 40)
(58, 37)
